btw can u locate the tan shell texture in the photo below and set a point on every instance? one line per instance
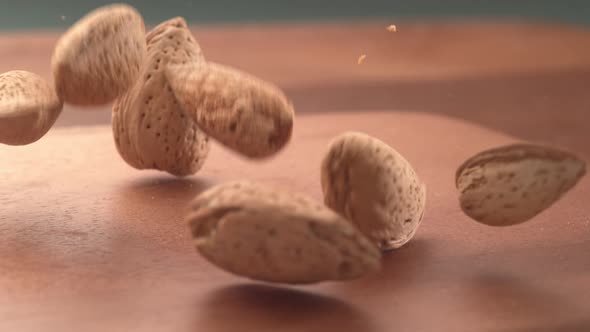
(511, 184)
(29, 107)
(242, 112)
(150, 128)
(100, 56)
(374, 187)
(276, 236)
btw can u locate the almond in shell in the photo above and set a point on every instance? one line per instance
(511, 184)
(272, 235)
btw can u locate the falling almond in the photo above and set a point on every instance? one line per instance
(99, 58)
(245, 113)
(29, 107)
(150, 128)
(512, 184)
(274, 235)
(374, 187)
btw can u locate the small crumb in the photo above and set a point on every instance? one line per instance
(63, 17)
(392, 28)
(361, 59)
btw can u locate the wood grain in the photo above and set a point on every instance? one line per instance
(89, 244)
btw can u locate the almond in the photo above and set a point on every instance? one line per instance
(242, 112)
(100, 56)
(29, 107)
(267, 234)
(512, 184)
(375, 187)
(151, 130)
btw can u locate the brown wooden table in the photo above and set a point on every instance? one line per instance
(90, 244)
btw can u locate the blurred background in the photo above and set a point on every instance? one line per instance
(498, 64)
(29, 14)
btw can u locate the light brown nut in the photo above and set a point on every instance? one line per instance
(100, 56)
(29, 107)
(244, 113)
(511, 184)
(372, 185)
(150, 128)
(271, 235)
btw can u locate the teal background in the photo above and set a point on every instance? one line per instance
(27, 14)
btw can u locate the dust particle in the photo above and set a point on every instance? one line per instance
(361, 59)
(392, 28)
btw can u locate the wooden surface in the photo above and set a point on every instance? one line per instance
(90, 244)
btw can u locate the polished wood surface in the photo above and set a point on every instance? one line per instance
(89, 244)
